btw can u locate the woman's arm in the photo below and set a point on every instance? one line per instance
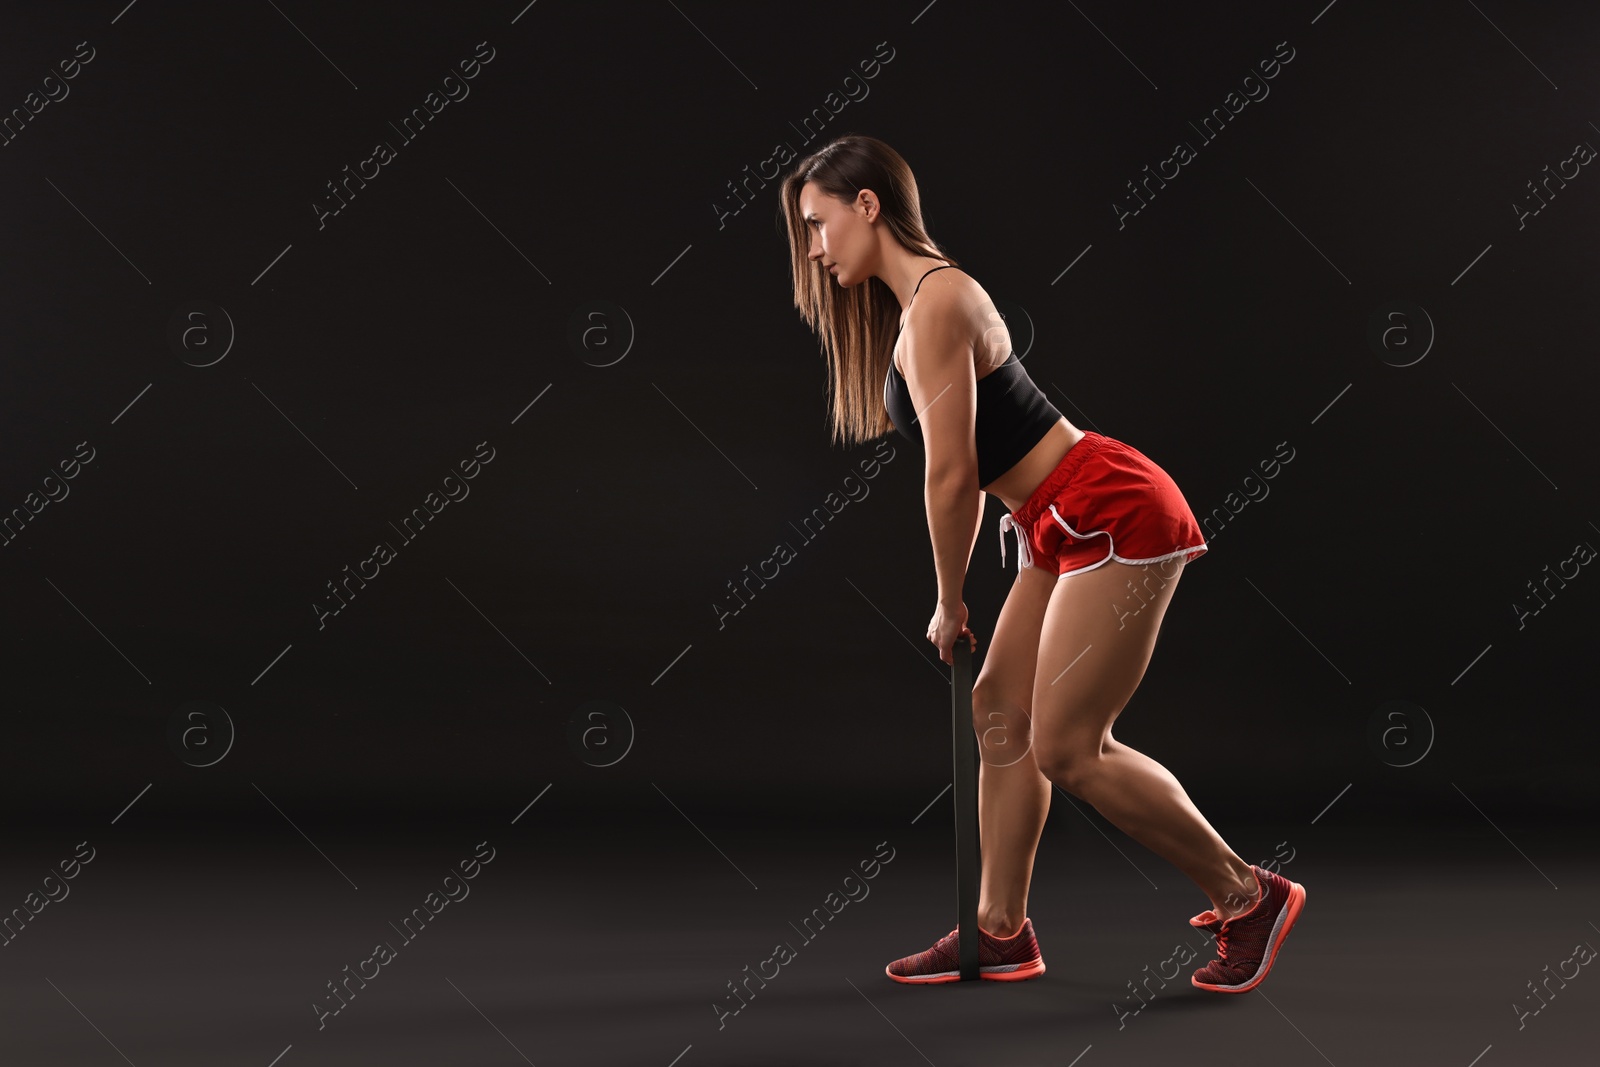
(955, 517)
(944, 391)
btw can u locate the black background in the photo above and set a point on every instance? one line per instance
(385, 344)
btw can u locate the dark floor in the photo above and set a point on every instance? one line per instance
(209, 943)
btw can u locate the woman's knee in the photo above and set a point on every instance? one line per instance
(1069, 764)
(1002, 724)
(1071, 757)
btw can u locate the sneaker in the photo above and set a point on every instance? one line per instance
(1249, 942)
(1000, 959)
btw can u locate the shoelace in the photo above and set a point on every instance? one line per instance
(1222, 936)
(1222, 930)
(955, 935)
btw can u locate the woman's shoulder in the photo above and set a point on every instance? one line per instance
(953, 297)
(958, 314)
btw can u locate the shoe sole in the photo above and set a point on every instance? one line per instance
(1017, 972)
(1280, 933)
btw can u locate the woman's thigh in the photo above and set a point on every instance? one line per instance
(1002, 695)
(1097, 637)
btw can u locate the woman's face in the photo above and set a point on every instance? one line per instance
(840, 237)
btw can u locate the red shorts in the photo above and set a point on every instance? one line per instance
(1105, 500)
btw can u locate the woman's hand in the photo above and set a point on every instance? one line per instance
(949, 625)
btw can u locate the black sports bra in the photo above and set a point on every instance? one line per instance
(1013, 414)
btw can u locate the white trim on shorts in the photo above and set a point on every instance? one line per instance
(1111, 553)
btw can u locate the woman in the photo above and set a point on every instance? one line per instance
(1094, 519)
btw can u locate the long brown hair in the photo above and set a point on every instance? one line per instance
(856, 325)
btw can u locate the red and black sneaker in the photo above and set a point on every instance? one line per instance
(1000, 959)
(1249, 942)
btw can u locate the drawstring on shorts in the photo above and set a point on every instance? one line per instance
(1024, 552)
